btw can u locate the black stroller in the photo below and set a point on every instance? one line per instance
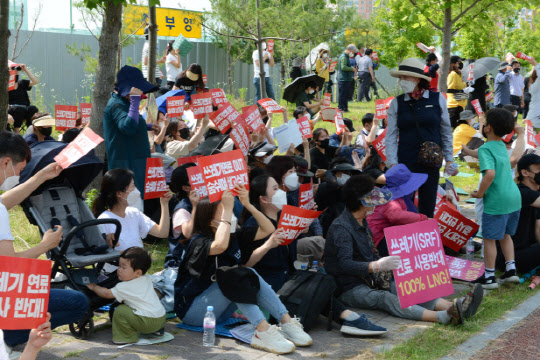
(83, 252)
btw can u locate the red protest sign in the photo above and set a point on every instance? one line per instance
(490, 96)
(529, 130)
(240, 137)
(201, 104)
(305, 127)
(188, 159)
(521, 55)
(338, 120)
(470, 77)
(508, 137)
(154, 184)
(24, 292)
(509, 57)
(327, 99)
(219, 97)
(464, 269)
(270, 105)
(476, 104)
(388, 101)
(222, 172)
(305, 197)
(294, 220)
(252, 117)
(224, 117)
(375, 56)
(175, 106)
(455, 228)
(204, 79)
(12, 77)
(423, 273)
(86, 110)
(380, 145)
(332, 67)
(423, 47)
(80, 146)
(196, 181)
(65, 116)
(270, 47)
(328, 114)
(380, 109)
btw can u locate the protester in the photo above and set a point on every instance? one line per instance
(42, 124)
(480, 86)
(366, 76)
(304, 98)
(145, 61)
(516, 86)
(417, 116)
(173, 65)
(296, 72)
(181, 140)
(322, 67)
(534, 89)
(345, 77)
(323, 153)
(502, 85)
(369, 131)
(526, 96)
(20, 108)
(259, 159)
(502, 199)
(432, 69)
(465, 131)
(190, 80)
(268, 60)
(455, 85)
(374, 166)
(39, 337)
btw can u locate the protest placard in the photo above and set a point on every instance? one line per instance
(12, 77)
(222, 172)
(188, 159)
(423, 273)
(332, 67)
(240, 137)
(224, 117)
(380, 109)
(380, 145)
(423, 47)
(270, 105)
(328, 114)
(286, 135)
(470, 77)
(24, 292)
(252, 117)
(327, 99)
(65, 117)
(205, 79)
(152, 110)
(270, 47)
(305, 127)
(338, 120)
(196, 181)
(464, 269)
(477, 107)
(375, 56)
(508, 137)
(521, 55)
(294, 220)
(509, 56)
(154, 183)
(441, 200)
(201, 105)
(80, 146)
(218, 96)
(455, 228)
(305, 197)
(388, 101)
(86, 110)
(175, 106)
(529, 132)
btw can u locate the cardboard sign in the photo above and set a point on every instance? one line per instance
(201, 105)
(380, 109)
(205, 79)
(188, 159)
(196, 181)
(222, 172)
(154, 184)
(338, 120)
(328, 114)
(12, 76)
(224, 117)
(490, 96)
(305, 127)
(219, 97)
(252, 117)
(423, 47)
(65, 116)
(464, 269)
(470, 77)
(24, 292)
(286, 135)
(306, 199)
(422, 274)
(294, 220)
(175, 106)
(380, 145)
(332, 67)
(388, 101)
(80, 146)
(521, 55)
(455, 228)
(86, 110)
(508, 137)
(529, 131)
(240, 137)
(509, 57)
(270, 47)
(270, 105)
(327, 99)
(477, 107)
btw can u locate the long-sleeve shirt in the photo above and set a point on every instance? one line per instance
(502, 88)
(534, 106)
(455, 82)
(516, 84)
(346, 72)
(321, 70)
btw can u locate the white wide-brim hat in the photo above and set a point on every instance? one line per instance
(411, 67)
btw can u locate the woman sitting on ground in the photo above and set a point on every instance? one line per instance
(181, 141)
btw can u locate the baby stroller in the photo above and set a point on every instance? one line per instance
(83, 251)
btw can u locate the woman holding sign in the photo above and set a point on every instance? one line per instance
(534, 90)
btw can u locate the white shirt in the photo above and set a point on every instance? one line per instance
(140, 296)
(3, 353)
(361, 138)
(135, 227)
(256, 69)
(172, 71)
(516, 84)
(534, 106)
(145, 52)
(5, 228)
(177, 148)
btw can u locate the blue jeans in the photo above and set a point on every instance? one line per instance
(269, 88)
(65, 306)
(224, 308)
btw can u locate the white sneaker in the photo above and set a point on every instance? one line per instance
(13, 355)
(294, 331)
(272, 341)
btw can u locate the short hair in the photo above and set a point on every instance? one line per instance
(354, 189)
(367, 118)
(515, 62)
(430, 57)
(13, 146)
(368, 52)
(317, 132)
(138, 258)
(299, 111)
(501, 121)
(310, 84)
(70, 135)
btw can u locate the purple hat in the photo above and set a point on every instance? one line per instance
(401, 181)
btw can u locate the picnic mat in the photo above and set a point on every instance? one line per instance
(222, 329)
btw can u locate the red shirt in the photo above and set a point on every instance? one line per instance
(434, 83)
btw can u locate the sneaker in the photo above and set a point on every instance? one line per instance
(272, 341)
(488, 284)
(509, 276)
(12, 354)
(456, 312)
(361, 326)
(472, 301)
(294, 331)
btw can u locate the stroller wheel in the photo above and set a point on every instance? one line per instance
(82, 329)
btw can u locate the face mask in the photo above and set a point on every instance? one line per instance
(279, 199)
(460, 66)
(234, 224)
(537, 178)
(311, 91)
(516, 70)
(263, 46)
(325, 55)
(369, 212)
(291, 182)
(351, 55)
(325, 143)
(46, 131)
(133, 198)
(9, 182)
(267, 159)
(343, 179)
(407, 86)
(184, 133)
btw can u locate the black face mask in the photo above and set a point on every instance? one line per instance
(484, 133)
(45, 131)
(184, 133)
(516, 70)
(460, 66)
(324, 143)
(537, 178)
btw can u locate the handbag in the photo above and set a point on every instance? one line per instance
(430, 154)
(239, 284)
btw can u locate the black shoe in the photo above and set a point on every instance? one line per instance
(472, 301)
(487, 283)
(509, 276)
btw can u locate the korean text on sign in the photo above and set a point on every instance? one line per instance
(476, 104)
(380, 109)
(201, 105)
(327, 99)
(80, 146)
(332, 66)
(464, 269)
(529, 132)
(171, 22)
(86, 110)
(252, 117)
(423, 273)
(240, 137)
(340, 125)
(305, 197)
(65, 117)
(380, 145)
(24, 292)
(224, 117)
(455, 228)
(294, 220)
(175, 106)
(154, 184)
(219, 97)
(270, 105)
(305, 127)
(196, 181)
(222, 172)
(12, 77)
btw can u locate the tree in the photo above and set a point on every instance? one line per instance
(4, 74)
(14, 53)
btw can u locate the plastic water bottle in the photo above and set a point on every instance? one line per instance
(314, 266)
(452, 170)
(303, 267)
(209, 337)
(469, 249)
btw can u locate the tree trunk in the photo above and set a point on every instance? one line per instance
(446, 44)
(262, 75)
(152, 38)
(119, 53)
(4, 74)
(229, 63)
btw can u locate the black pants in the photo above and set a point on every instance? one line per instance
(453, 113)
(526, 259)
(364, 82)
(170, 85)
(516, 101)
(427, 194)
(22, 114)
(344, 88)
(526, 109)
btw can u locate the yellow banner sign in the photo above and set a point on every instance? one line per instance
(170, 22)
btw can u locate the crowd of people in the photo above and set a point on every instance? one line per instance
(230, 254)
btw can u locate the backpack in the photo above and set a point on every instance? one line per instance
(306, 294)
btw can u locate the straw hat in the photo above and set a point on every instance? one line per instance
(411, 67)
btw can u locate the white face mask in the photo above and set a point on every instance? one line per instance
(291, 182)
(311, 91)
(263, 46)
(9, 182)
(325, 55)
(369, 212)
(133, 198)
(234, 224)
(267, 159)
(407, 86)
(343, 179)
(279, 199)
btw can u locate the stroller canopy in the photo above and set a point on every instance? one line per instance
(79, 175)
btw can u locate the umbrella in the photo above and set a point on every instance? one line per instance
(292, 90)
(162, 100)
(311, 59)
(482, 67)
